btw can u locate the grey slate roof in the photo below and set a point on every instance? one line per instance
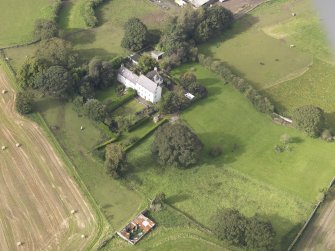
(128, 74)
(147, 83)
(142, 80)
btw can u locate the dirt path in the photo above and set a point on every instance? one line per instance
(320, 234)
(37, 194)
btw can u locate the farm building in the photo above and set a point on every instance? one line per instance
(181, 3)
(145, 87)
(136, 229)
(199, 3)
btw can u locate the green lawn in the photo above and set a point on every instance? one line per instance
(302, 75)
(18, 18)
(104, 41)
(70, 18)
(252, 54)
(173, 232)
(117, 202)
(250, 176)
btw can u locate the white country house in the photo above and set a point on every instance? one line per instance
(145, 87)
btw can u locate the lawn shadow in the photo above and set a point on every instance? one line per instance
(81, 36)
(99, 13)
(330, 121)
(44, 104)
(297, 140)
(88, 54)
(176, 198)
(293, 228)
(239, 26)
(232, 147)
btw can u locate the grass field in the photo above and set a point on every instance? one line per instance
(302, 75)
(70, 18)
(104, 41)
(252, 176)
(109, 194)
(18, 19)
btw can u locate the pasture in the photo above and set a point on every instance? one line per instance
(291, 77)
(37, 190)
(117, 202)
(104, 41)
(250, 176)
(18, 18)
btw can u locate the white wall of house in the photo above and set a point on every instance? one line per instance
(141, 91)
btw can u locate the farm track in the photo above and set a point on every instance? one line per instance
(37, 194)
(320, 234)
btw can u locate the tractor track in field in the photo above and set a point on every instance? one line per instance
(37, 194)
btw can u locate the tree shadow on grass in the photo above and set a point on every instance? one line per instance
(232, 148)
(44, 104)
(293, 228)
(176, 198)
(99, 13)
(81, 36)
(330, 121)
(238, 27)
(87, 54)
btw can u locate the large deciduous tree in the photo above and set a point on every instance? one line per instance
(116, 160)
(229, 224)
(101, 73)
(176, 145)
(95, 110)
(135, 35)
(45, 29)
(259, 234)
(56, 51)
(309, 119)
(146, 64)
(24, 102)
(56, 81)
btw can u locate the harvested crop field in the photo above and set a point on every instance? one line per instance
(37, 194)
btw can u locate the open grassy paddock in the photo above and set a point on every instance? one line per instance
(18, 18)
(104, 41)
(280, 186)
(291, 77)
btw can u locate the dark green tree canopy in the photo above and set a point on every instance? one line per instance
(29, 72)
(95, 110)
(24, 102)
(309, 119)
(146, 64)
(229, 224)
(176, 145)
(101, 73)
(135, 35)
(55, 81)
(116, 160)
(173, 102)
(45, 29)
(55, 51)
(259, 234)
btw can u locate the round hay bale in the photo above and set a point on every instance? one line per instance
(4, 91)
(83, 236)
(19, 243)
(3, 148)
(73, 211)
(17, 144)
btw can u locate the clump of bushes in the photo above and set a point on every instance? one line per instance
(176, 145)
(24, 102)
(309, 119)
(89, 12)
(261, 103)
(252, 233)
(215, 151)
(327, 135)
